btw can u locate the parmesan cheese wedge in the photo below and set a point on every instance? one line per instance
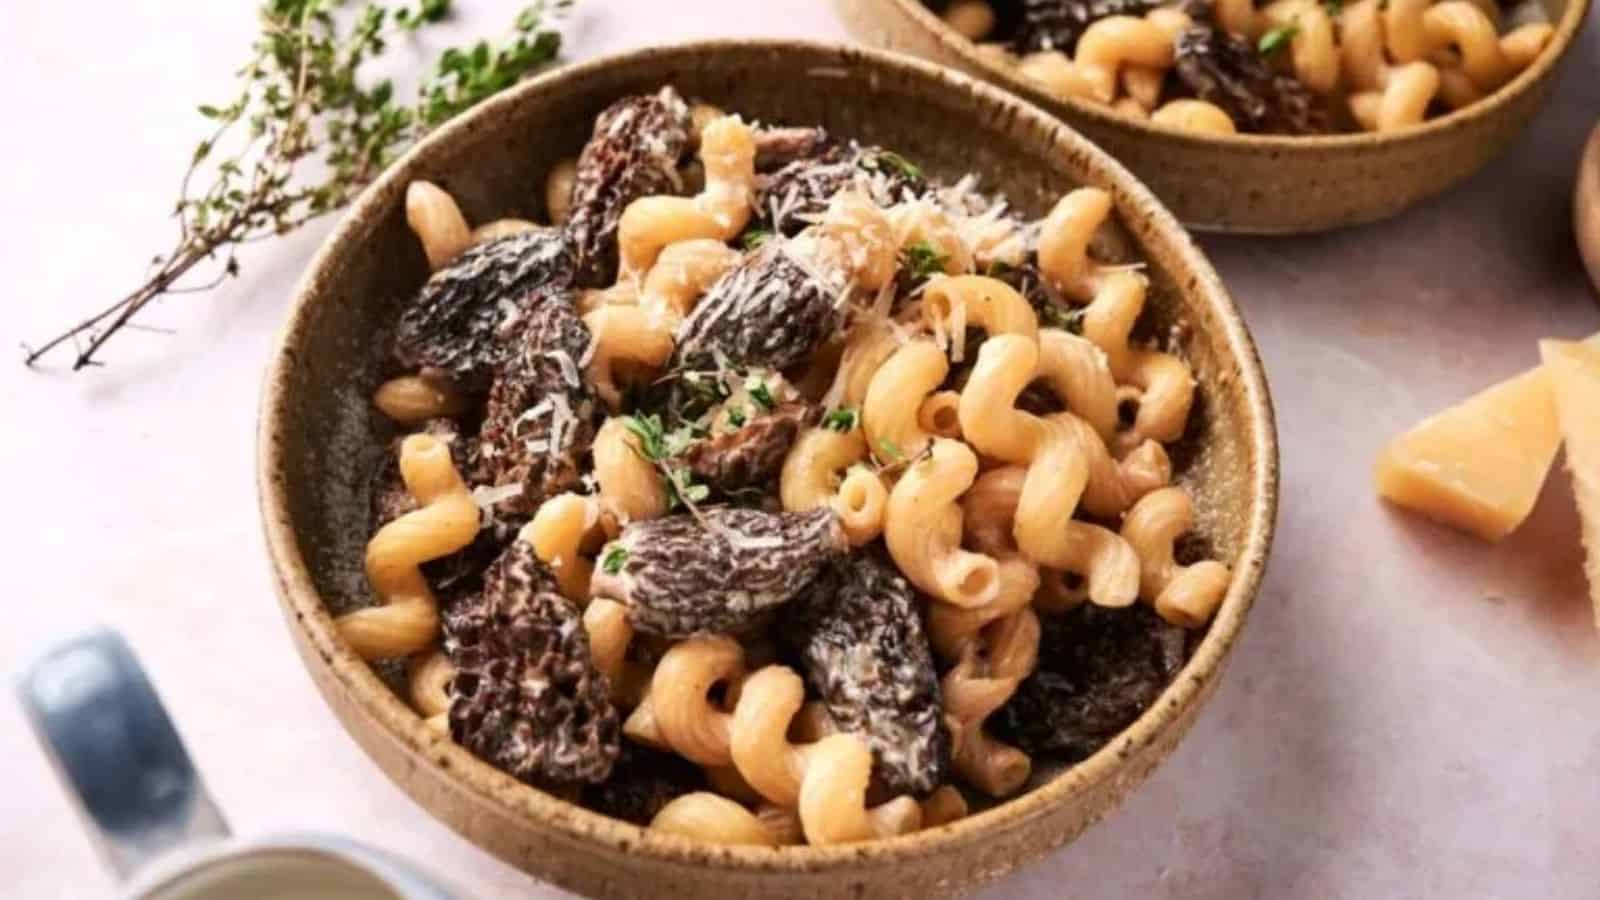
(1479, 465)
(1575, 372)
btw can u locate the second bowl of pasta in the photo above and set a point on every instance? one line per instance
(1272, 118)
(766, 470)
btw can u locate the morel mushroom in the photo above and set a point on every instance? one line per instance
(751, 454)
(771, 310)
(542, 411)
(634, 152)
(1098, 670)
(642, 781)
(1227, 71)
(468, 315)
(722, 570)
(777, 147)
(1057, 24)
(859, 633)
(526, 696)
(788, 199)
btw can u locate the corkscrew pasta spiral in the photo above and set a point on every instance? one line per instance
(428, 686)
(922, 528)
(889, 414)
(987, 674)
(952, 305)
(727, 149)
(625, 337)
(562, 531)
(407, 617)
(437, 222)
(824, 468)
(1165, 382)
(630, 486)
(1183, 595)
(753, 738)
(1064, 239)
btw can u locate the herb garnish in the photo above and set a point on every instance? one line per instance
(890, 450)
(842, 420)
(888, 161)
(615, 558)
(755, 237)
(923, 260)
(1068, 319)
(659, 446)
(757, 388)
(652, 436)
(307, 129)
(1277, 39)
(736, 417)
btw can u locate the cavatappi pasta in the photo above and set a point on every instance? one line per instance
(1371, 65)
(726, 434)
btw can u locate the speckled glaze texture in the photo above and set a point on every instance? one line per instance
(1586, 207)
(1260, 184)
(319, 436)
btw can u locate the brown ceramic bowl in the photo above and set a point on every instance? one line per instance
(1260, 184)
(319, 438)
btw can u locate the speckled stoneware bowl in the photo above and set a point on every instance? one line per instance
(1260, 184)
(320, 438)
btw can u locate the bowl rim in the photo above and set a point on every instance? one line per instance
(1561, 40)
(306, 612)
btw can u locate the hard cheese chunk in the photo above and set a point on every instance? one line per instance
(1478, 465)
(1575, 372)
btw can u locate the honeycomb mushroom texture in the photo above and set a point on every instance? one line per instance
(1098, 670)
(723, 570)
(526, 696)
(859, 633)
(754, 453)
(641, 783)
(467, 316)
(1227, 71)
(634, 152)
(1057, 24)
(771, 310)
(777, 147)
(542, 412)
(789, 198)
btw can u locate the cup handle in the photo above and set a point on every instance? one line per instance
(109, 738)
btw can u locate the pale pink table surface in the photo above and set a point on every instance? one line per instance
(1409, 714)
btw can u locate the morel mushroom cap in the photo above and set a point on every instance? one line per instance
(1229, 72)
(643, 781)
(542, 413)
(467, 315)
(1098, 670)
(771, 310)
(721, 570)
(526, 696)
(752, 453)
(858, 631)
(1057, 24)
(634, 152)
(796, 194)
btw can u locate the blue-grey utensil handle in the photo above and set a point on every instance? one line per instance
(116, 751)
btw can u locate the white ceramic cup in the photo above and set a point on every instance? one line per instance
(147, 810)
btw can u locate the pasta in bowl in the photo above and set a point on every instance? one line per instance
(758, 484)
(1274, 117)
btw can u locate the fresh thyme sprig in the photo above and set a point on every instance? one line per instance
(922, 260)
(661, 448)
(308, 132)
